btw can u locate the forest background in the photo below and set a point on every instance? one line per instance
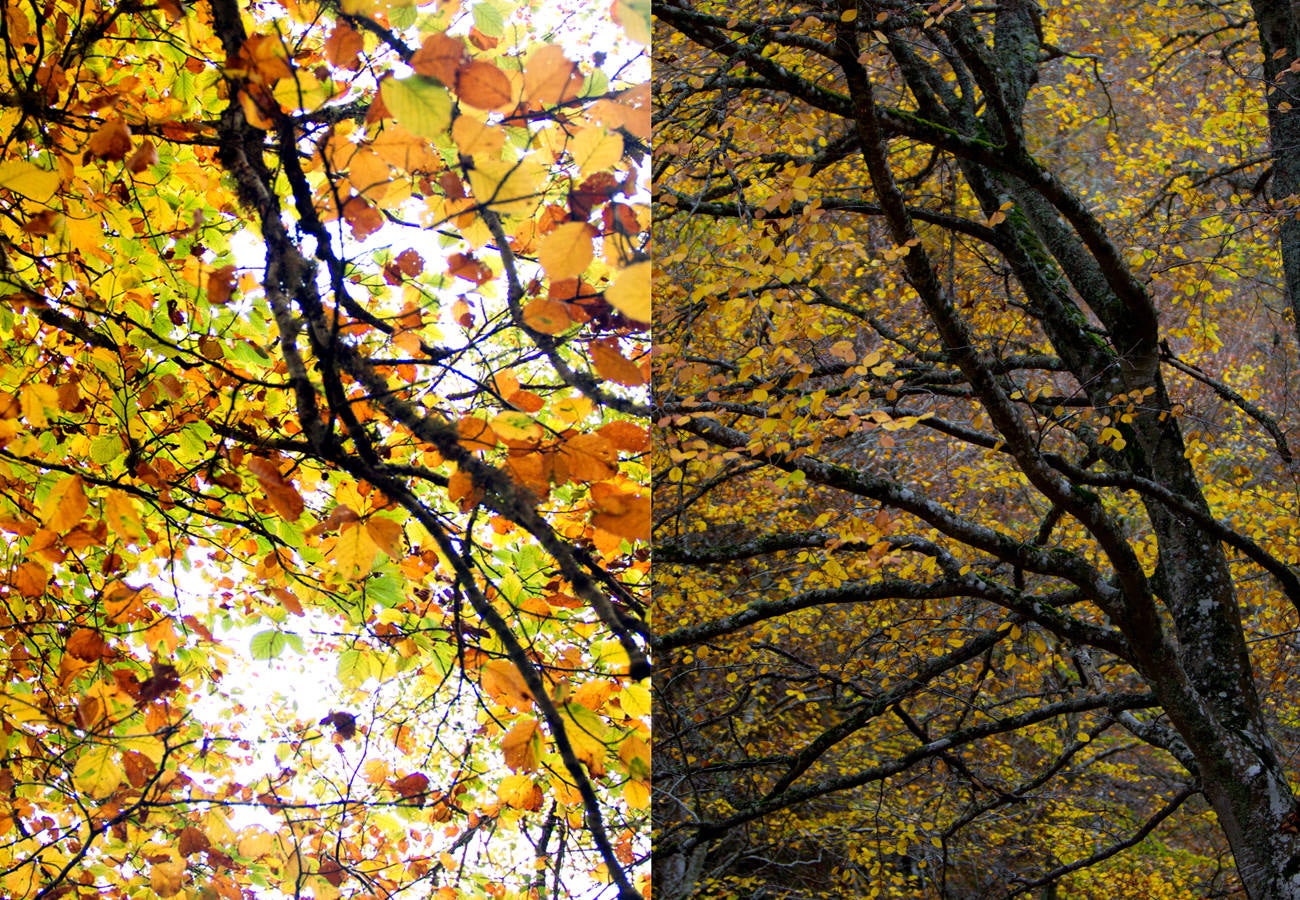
(976, 498)
(403, 439)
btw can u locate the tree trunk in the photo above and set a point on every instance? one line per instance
(1279, 39)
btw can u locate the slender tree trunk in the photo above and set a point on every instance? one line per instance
(1279, 38)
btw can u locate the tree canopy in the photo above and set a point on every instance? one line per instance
(323, 344)
(976, 503)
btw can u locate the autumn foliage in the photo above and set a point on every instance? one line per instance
(323, 471)
(976, 503)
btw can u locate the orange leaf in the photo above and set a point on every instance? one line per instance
(288, 599)
(88, 644)
(620, 514)
(547, 316)
(550, 78)
(284, 497)
(31, 579)
(503, 683)
(387, 535)
(613, 365)
(520, 746)
(342, 47)
(476, 434)
(439, 57)
(466, 266)
(531, 472)
(626, 436)
(483, 85)
(588, 457)
(460, 490)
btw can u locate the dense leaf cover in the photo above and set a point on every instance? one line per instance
(976, 504)
(323, 342)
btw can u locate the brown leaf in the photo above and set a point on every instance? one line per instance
(362, 217)
(466, 266)
(164, 680)
(345, 724)
(414, 785)
(191, 841)
(145, 155)
(111, 141)
(332, 872)
(138, 768)
(221, 284)
(410, 263)
(284, 496)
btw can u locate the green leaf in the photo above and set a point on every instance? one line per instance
(267, 644)
(419, 104)
(488, 19)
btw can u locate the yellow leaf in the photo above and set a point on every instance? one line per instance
(145, 744)
(520, 792)
(587, 733)
(596, 150)
(472, 135)
(165, 877)
(122, 517)
(65, 505)
(22, 177)
(567, 251)
(353, 552)
(256, 843)
(35, 399)
(98, 773)
(630, 292)
(636, 794)
(635, 700)
(508, 188)
(634, 16)
(516, 426)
